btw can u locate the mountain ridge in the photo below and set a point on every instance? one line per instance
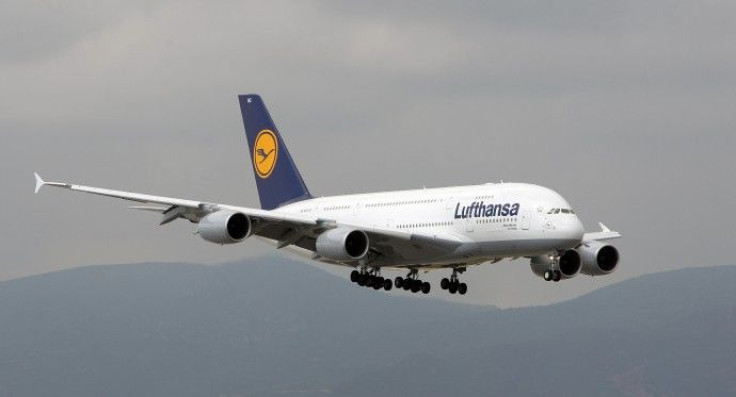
(274, 326)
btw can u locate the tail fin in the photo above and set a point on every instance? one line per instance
(277, 177)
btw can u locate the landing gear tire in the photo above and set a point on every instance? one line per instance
(362, 279)
(444, 283)
(398, 282)
(354, 275)
(426, 287)
(407, 284)
(548, 275)
(453, 284)
(387, 284)
(558, 276)
(416, 286)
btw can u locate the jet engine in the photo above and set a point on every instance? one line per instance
(568, 265)
(598, 258)
(224, 227)
(343, 244)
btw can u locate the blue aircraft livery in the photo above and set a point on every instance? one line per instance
(481, 210)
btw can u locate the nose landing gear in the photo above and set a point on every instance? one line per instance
(453, 284)
(552, 275)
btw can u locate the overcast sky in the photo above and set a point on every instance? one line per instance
(626, 108)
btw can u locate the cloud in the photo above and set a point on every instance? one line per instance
(623, 107)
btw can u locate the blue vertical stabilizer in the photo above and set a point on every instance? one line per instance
(277, 177)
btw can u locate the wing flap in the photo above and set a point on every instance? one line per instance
(149, 208)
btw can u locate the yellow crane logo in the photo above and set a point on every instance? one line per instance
(265, 153)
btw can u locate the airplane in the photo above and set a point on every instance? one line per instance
(449, 228)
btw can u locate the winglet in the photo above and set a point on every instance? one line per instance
(603, 227)
(39, 182)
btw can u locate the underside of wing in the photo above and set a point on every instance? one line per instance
(387, 247)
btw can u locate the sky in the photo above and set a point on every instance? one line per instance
(625, 108)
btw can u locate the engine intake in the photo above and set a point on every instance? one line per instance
(569, 264)
(224, 227)
(598, 258)
(343, 244)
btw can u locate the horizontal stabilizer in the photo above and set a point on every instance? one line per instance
(604, 234)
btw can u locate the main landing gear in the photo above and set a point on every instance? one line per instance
(552, 275)
(370, 278)
(453, 285)
(412, 283)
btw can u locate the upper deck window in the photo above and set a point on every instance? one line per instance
(560, 210)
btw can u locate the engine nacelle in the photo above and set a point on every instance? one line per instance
(569, 264)
(598, 258)
(224, 227)
(343, 244)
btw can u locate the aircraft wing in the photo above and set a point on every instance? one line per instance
(603, 235)
(283, 228)
(173, 208)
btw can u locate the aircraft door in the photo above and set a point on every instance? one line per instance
(525, 219)
(469, 225)
(450, 204)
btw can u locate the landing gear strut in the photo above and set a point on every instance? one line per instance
(412, 283)
(453, 284)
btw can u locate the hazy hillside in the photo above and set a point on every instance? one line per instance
(277, 327)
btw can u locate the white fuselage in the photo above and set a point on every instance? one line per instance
(491, 221)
